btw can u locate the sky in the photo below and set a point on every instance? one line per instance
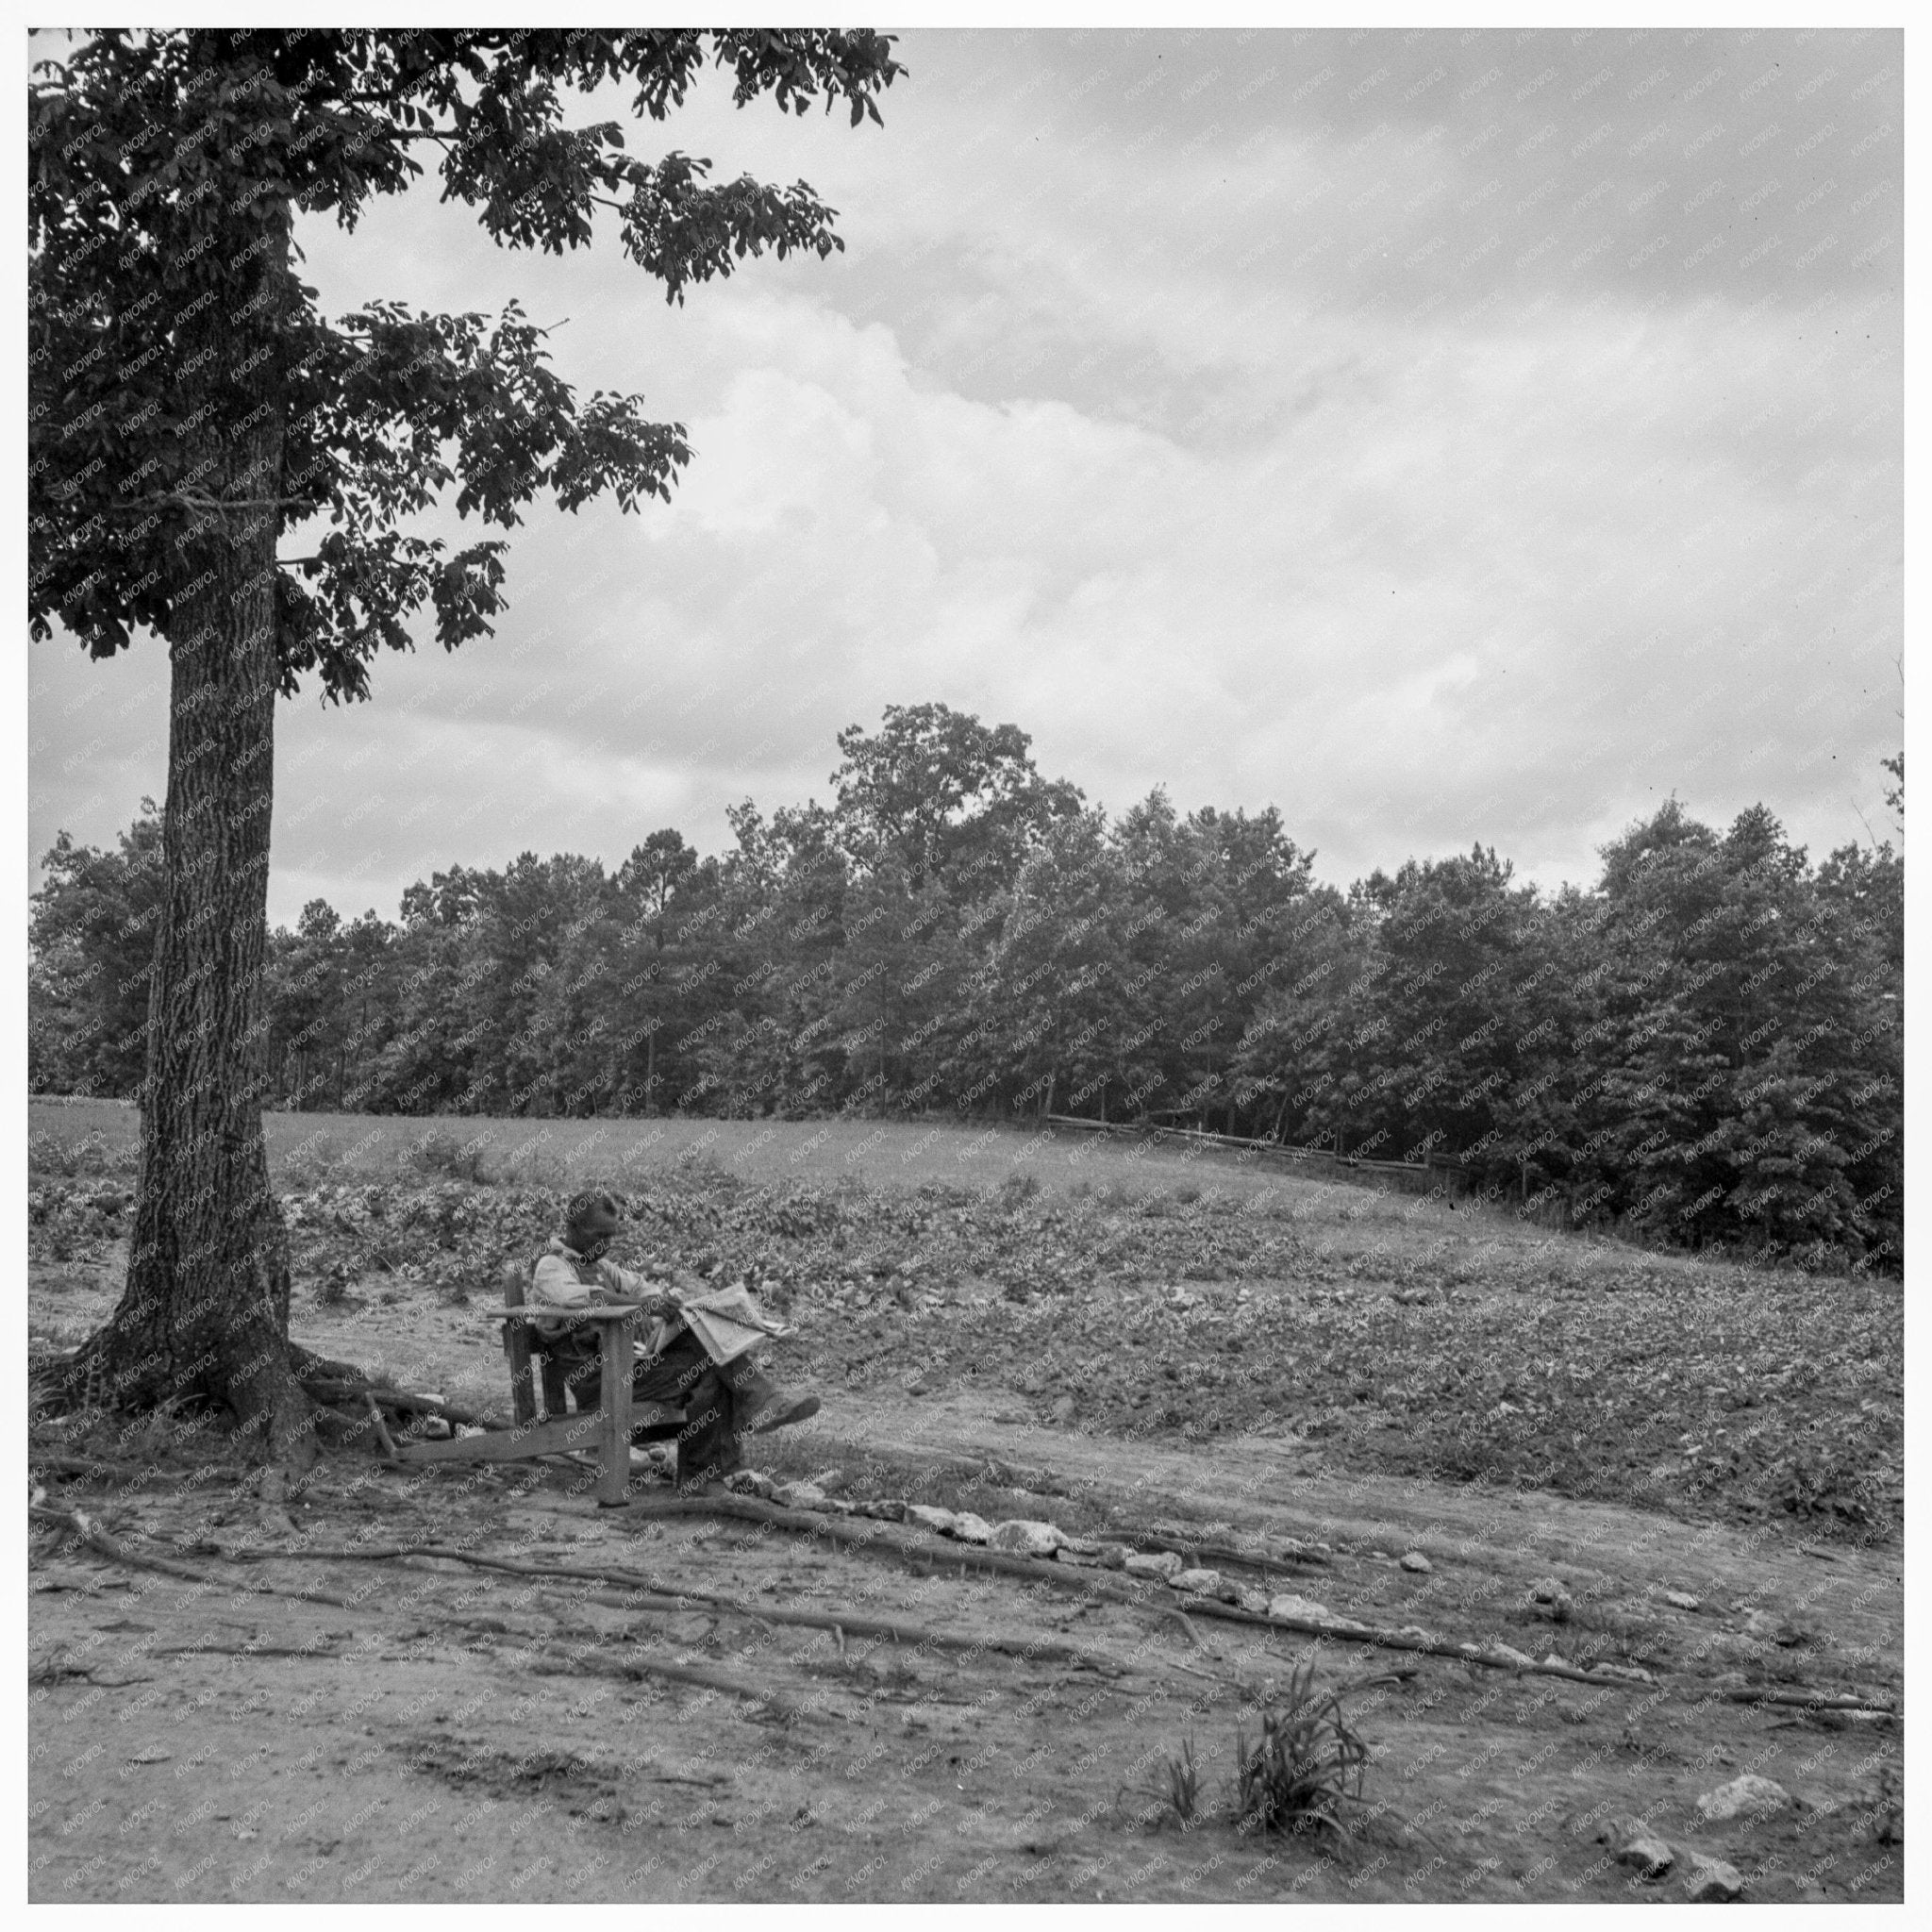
(1443, 437)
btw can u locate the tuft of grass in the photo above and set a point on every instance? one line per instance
(1175, 1791)
(1305, 1769)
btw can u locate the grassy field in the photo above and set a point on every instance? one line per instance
(101, 1136)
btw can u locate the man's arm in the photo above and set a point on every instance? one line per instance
(622, 1284)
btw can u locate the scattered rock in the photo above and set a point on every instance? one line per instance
(1710, 1881)
(1551, 1593)
(800, 1496)
(1289, 1605)
(1026, 1538)
(1114, 1556)
(1080, 1559)
(1416, 1632)
(1749, 1795)
(1416, 1564)
(1681, 1600)
(434, 1429)
(1651, 1857)
(939, 1521)
(969, 1528)
(1508, 1654)
(1163, 1564)
(1198, 1582)
(751, 1482)
(1254, 1601)
(1631, 1673)
(1063, 1411)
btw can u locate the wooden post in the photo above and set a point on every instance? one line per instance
(613, 1446)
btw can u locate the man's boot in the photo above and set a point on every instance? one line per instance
(758, 1405)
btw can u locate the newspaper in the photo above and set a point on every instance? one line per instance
(728, 1323)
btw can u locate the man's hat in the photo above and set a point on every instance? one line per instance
(593, 1217)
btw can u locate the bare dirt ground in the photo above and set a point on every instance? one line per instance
(421, 1728)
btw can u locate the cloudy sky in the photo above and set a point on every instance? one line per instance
(1443, 437)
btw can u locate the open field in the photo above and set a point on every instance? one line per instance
(1135, 1346)
(571, 1154)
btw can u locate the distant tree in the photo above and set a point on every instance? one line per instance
(90, 944)
(946, 796)
(189, 406)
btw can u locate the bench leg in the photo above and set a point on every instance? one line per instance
(613, 1446)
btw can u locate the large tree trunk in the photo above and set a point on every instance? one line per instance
(206, 1309)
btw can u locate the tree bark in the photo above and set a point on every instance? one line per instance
(205, 1312)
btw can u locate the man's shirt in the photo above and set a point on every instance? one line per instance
(563, 1279)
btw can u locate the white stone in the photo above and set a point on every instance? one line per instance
(1027, 1538)
(1289, 1605)
(1681, 1600)
(1416, 1564)
(939, 1521)
(1651, 1857)
(1630, 1673)
(800, 1496)
(1747, 1794)
(969, 1528)
(1198, 1582)
(1710, 1881)
(1508, 1654)
(1254, 1601)
(1163, 1564)
(751, 1482)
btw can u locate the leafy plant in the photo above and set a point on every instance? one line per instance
(1306, 1767)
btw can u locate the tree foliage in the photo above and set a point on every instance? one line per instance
(163, 172)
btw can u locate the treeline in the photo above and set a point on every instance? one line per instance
(1704, 1047)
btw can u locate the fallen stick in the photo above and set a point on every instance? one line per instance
(327, 1389)
(1804, 1700)
(1096, 1584)
(79, 1465)
(913, 1635)
(658, 1597)
(92, 1534)
(97, 1538)
(382, 1434)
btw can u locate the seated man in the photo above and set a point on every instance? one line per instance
(723, 1403)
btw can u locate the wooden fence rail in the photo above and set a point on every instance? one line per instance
(1438, 1171)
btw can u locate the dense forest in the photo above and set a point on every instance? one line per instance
(1706, 1046)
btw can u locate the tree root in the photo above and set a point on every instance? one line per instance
(649, 1594)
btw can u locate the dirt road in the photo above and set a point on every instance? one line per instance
(439, 1731)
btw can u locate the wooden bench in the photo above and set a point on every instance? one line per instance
(608, 1429)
